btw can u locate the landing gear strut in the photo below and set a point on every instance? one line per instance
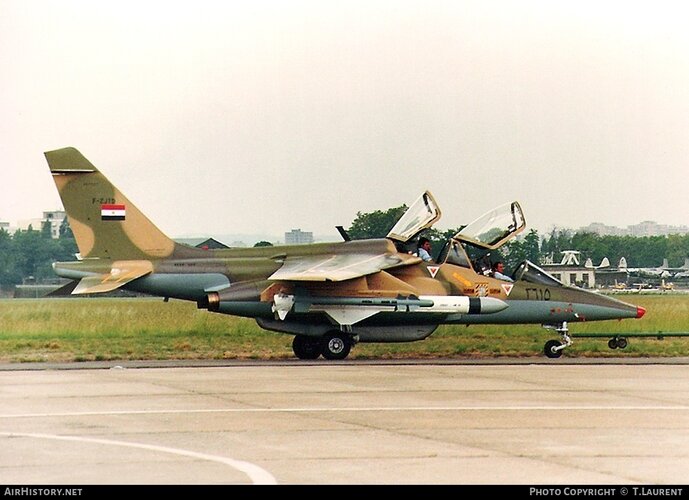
(553, 348)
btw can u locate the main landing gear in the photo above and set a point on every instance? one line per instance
(306, 347)
(333, 345)
(617, 343)
(554, 348)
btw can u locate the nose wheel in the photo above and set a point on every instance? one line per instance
(554, 348)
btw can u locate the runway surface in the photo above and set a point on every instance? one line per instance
(347, 423)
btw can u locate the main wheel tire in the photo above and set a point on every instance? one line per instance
(306, 347)
(336, 345)
(622, 343)
(549, 351)
(612, 343)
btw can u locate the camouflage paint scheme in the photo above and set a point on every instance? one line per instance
(328, 295)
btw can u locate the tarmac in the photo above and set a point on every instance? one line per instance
(415, 422)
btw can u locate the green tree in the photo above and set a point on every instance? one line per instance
(555, 243)
(519, 250)
(66, 229)
(30, 251)
(46, 230)
(66, 243)
(32, 254)
(375, 224)
(263, 244)
(532, 246)
(379, 223)
(591, 246)
(8, 269)
(677, 249)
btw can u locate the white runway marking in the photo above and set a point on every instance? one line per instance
(256, 474)
(352, 410)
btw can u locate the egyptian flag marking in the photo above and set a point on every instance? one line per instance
(112, 212)
(507, 288)
(433, 270)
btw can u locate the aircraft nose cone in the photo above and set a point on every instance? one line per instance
(640, 311)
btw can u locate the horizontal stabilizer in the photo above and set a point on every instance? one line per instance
(121, 273)
(65, 290)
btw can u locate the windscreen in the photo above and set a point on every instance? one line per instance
(531, 273)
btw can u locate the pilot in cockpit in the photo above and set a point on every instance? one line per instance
(498, 270)
(424, 250)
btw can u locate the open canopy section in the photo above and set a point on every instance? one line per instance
(495, 228)
(423, 213)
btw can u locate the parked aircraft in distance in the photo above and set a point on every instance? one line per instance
(677, 272)
(650, 272)
(328, 295)
(604, 264)
(681, 275)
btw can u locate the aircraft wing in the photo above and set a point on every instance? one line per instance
(121, 273)
(338, 267)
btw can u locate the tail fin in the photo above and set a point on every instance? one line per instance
(104, 222)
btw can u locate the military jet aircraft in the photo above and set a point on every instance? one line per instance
(328, 295)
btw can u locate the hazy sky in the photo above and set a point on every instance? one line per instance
(262, 116)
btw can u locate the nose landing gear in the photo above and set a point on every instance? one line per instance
(554, 348)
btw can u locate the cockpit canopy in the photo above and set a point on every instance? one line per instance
(422, 214)
(490, 231)
(495, 228)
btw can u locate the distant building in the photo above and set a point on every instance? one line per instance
(604, 230)
(611, 277)
(55, 218)
(645, 228)
(651, 228)
(5, 226)
(572, 275)
(570, 272)
(205, 243)
(298, 237)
